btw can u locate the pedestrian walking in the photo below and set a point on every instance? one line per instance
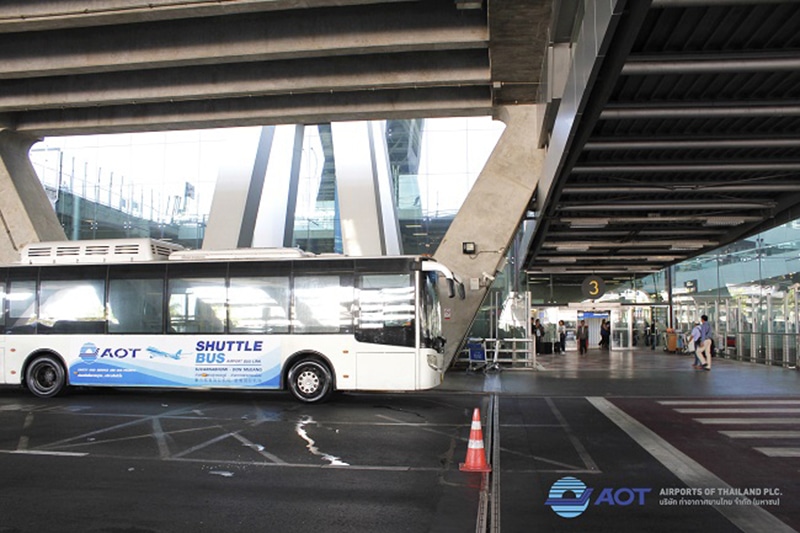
(705, 341)
(605, 334)
(538, 331)
(653, 335)
(583, 337)
(699, 359)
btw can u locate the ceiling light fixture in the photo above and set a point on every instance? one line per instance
(469, 4)
(587, 223)
(572, 247)
(723, 221)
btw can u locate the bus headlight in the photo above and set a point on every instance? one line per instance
(436, 361)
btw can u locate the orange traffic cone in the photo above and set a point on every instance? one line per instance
(476, 458)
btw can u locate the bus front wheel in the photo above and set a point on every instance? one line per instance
(45, 376)
(310, 381)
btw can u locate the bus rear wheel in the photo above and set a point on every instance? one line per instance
(45, 376)
(310, 381)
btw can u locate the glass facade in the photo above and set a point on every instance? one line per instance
(748, 290)
(161, 185)
(157, 185)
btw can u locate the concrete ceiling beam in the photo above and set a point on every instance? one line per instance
(240, 38)
(24, 15)
(295, 109)
(338, 74)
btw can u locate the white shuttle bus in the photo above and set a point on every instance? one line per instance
(142, 313)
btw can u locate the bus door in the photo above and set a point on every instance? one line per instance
(386, 370)
(20, 312)
(386, 355)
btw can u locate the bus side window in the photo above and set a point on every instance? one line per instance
(135, 305)
(21, 307)
(72, 306)
(386, 310)
(258, 304)
(323, 304)
(197, 305)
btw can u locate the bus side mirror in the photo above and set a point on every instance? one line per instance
(438, 344)
(455, 288)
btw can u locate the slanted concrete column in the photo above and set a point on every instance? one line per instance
(275, 221)
(366, 210)
(26, 214)
(490, 216)
(237, 195)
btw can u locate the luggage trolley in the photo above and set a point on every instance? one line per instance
(477, 355)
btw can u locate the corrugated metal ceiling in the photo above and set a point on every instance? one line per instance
(696, 146)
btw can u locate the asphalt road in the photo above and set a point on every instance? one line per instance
(169, 461)
(661, 447)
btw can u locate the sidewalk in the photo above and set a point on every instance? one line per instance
(639, 372)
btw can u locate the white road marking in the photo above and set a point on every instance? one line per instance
(767, 434)
(40, 452)
(748, 421)
(748, 518)
(775, 451)
(739, 410)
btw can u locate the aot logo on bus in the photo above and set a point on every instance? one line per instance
(89, 353)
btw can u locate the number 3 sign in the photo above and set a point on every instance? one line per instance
(593, 287)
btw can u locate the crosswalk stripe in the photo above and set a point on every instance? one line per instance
(745, 407)
(749, 518)
(768, 434)
(736, 421)
(729, 402)
(738, 410)
(779, 452)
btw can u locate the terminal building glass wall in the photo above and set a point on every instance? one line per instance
(161, 184)
(749, 290)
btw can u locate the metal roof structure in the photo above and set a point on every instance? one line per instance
(689, 141)
(687, 137)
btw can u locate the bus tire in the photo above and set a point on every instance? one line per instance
(310, 381)
(45, 376)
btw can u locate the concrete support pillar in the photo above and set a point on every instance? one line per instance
(247, 154)
(367, 211)
(490, 216)
(256, 194)
(275, 221)
(26, 214)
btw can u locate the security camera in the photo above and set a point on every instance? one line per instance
(487, 276)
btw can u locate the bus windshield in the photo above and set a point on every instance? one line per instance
(431, 313)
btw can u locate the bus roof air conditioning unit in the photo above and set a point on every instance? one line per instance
(100, 251)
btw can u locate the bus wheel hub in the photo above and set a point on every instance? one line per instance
(308, 382)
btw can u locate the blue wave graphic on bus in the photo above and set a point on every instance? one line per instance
(125, 374)
(88, 353)
(155, 352)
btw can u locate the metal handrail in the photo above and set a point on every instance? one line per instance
(778, 349)
(498, 354)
